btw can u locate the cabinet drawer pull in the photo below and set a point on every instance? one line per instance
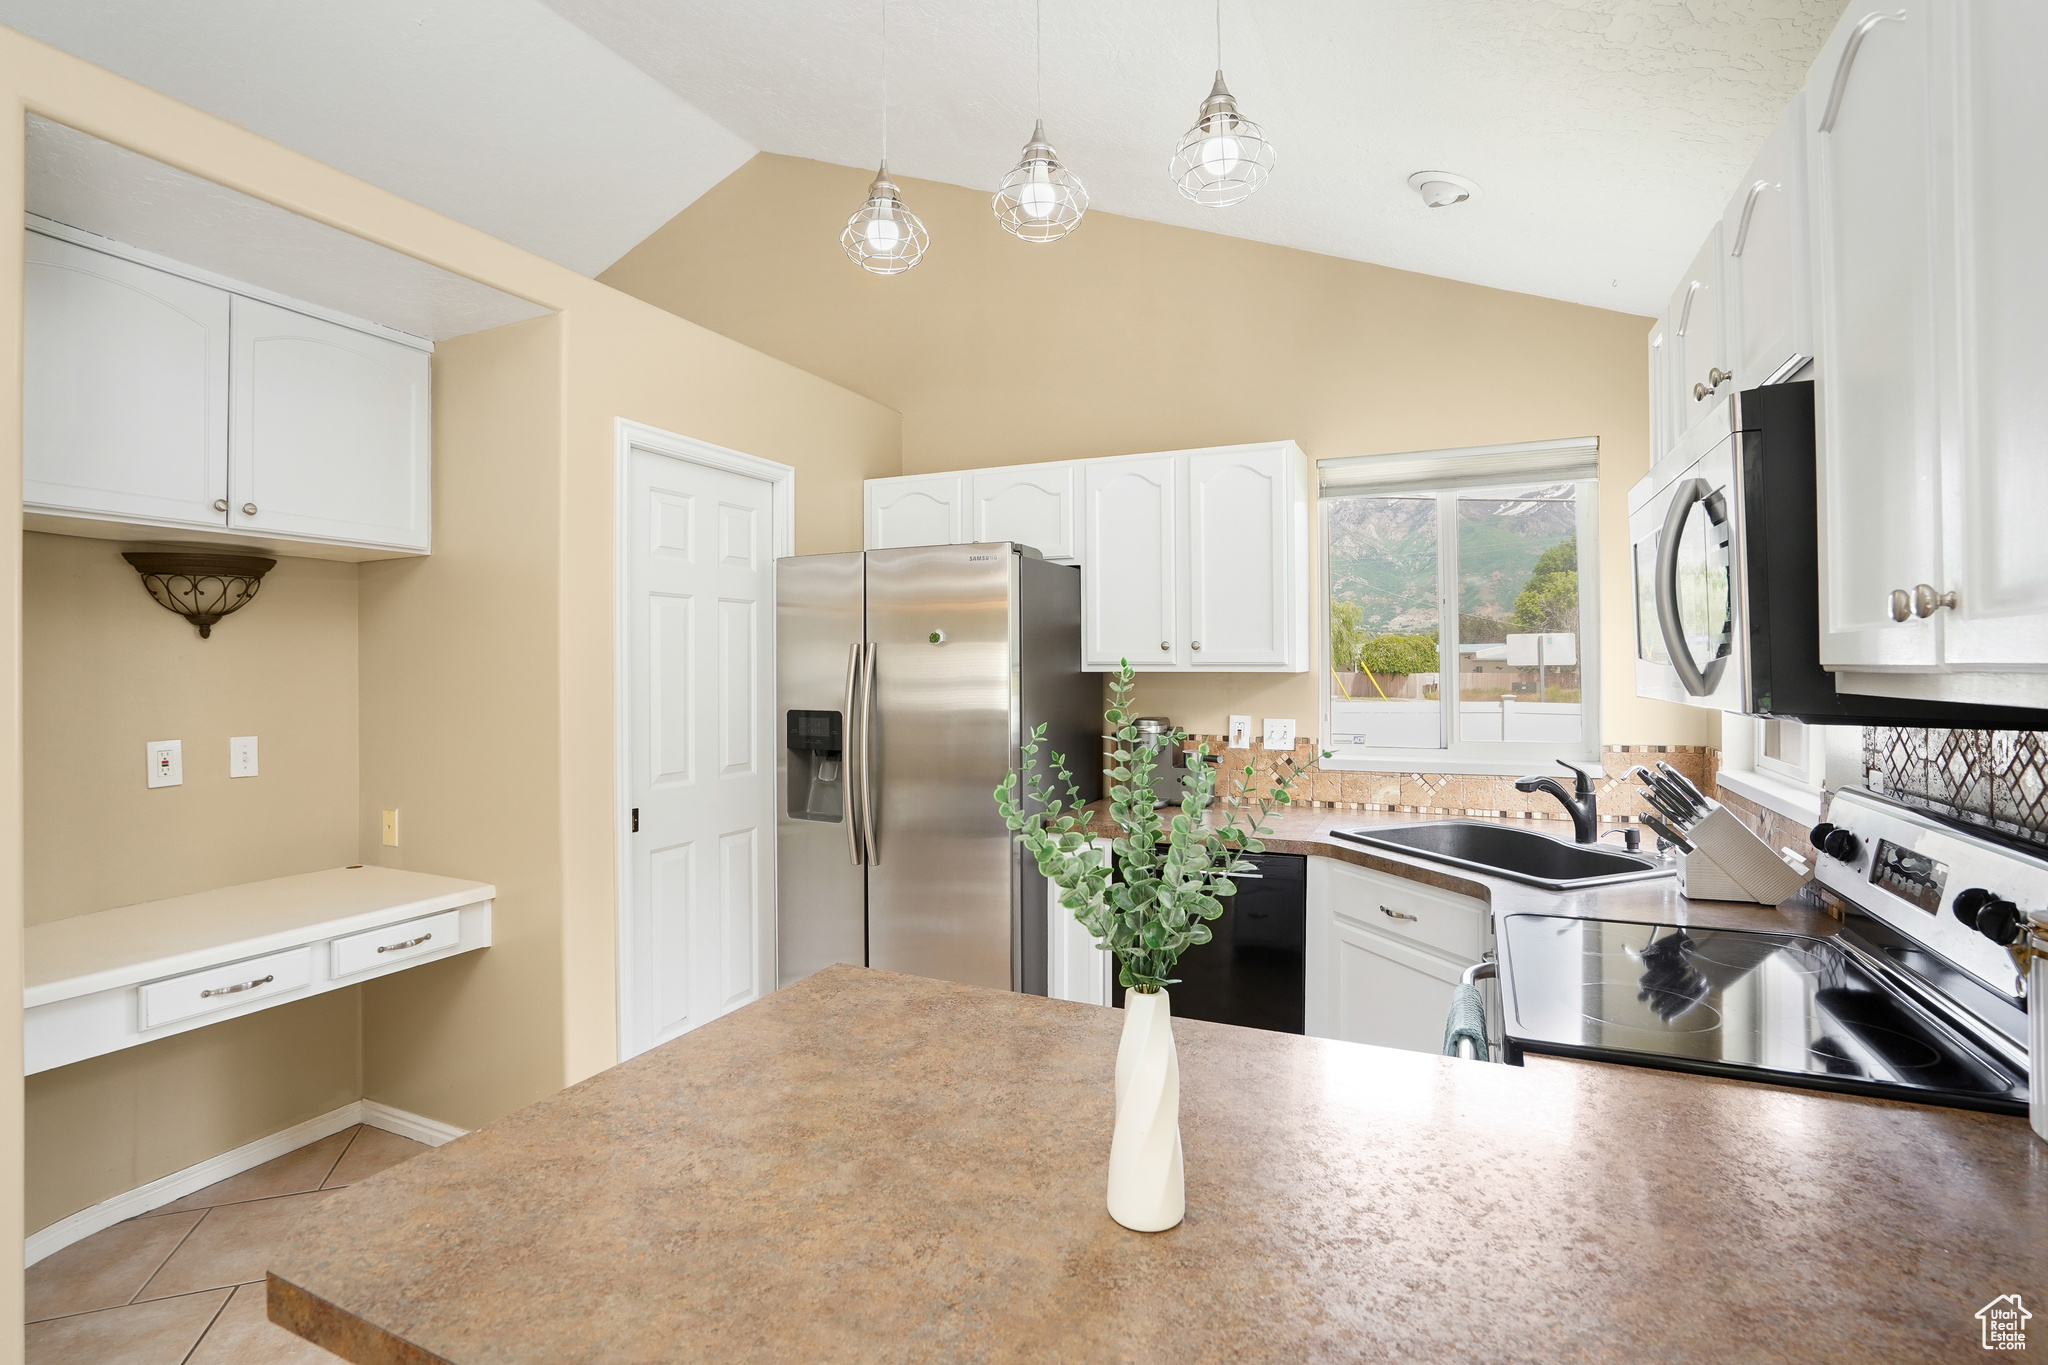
(1685, 313)
(1862, 31)
(1391, 913)
(1748, 208)
(245, 986)
(409, 943)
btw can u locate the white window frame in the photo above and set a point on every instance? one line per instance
(1795, 793)
(1459, 755)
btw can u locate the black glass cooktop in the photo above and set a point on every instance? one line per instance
(1757, 1006)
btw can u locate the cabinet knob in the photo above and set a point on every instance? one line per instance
(1166, 644)
(1197, 644)
(1926, 601)
(220, 504)
(248, 509)
(1715, 379)
(1900, 605)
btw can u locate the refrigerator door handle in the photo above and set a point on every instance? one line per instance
(850, 763)
(870, 825)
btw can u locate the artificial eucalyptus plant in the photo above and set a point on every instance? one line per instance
(1160, 905)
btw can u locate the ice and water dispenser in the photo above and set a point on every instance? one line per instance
(817, 776)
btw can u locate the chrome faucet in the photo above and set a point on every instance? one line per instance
(1581, 801)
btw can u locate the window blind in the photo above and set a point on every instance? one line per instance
(1533, 462)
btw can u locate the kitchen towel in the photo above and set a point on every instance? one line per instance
(1468, 1020)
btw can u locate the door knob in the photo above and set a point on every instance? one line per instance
(1926, 601)
(248, 509)
(220, 504)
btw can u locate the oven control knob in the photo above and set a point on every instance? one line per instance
(1999, 921)
(1969, 901)
(1841, 845)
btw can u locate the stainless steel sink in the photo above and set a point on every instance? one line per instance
(1505, 851)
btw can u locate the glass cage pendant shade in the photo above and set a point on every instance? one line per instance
(883, 237)
(1225, 157)
(1040, 200)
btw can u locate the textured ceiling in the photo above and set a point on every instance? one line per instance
(495, 112)
(85, 183)
(1604, 134)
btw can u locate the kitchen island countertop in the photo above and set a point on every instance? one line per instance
(866, 1166)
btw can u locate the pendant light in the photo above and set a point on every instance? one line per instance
(1224, 158)
(1040, 200)
(883, 237)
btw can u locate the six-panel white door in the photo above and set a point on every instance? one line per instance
(918, 509)
(330, 431)
(1877, 405)
(1241, 558)
(124, 389)
(699, 616)
(1035, 505)
(1129, 590)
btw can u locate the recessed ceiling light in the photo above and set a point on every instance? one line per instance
(1441, 189)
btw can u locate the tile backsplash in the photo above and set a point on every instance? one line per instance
(1996, 778)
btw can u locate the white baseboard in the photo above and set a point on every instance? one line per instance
(178, 1184)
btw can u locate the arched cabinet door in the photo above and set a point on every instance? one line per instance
(1033, 504)
(1130, 585)
(125, 389)
(1242, 544)
(918, 509)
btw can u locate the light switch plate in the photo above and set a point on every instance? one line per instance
(1240, 732)
(242, 756)
(391, 829)
(166, 760)
(1280, 735)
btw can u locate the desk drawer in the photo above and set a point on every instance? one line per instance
(397, 943)
(220, 988)
(1408, 910)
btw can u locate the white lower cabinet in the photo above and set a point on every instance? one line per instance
(1385, 953)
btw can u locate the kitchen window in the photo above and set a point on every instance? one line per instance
(1460, 608)
(1779, 764)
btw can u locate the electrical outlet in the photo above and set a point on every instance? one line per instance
(242, 756)
(391, 829)
(1280, 735)
(166, 759)
(1240, 732)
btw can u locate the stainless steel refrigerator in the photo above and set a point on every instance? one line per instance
(905, 682)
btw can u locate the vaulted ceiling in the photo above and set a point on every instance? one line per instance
(1604, 134)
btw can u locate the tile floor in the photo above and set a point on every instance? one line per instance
(183, 1284)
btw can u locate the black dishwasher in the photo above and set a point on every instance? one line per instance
(1251, 972)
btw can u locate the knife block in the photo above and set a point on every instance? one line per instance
(1731, 864)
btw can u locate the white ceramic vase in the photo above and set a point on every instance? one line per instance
(1147, 1189)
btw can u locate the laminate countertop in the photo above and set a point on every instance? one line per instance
(872, 1167)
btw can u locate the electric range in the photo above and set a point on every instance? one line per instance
(1915, 998)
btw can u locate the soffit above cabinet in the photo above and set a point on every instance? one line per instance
(97, 187)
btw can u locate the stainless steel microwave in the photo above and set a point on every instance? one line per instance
(1725, 557)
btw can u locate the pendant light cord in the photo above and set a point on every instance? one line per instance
(1219, 35)
(885, 81)
(1038, 31)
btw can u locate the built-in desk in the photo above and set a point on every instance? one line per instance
(102, 982)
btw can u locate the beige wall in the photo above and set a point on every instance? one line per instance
(1132, 336)
(104, 669)
(521, 580)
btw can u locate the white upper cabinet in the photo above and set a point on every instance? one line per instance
(155, 399)
(1663, 389)
(1243, 541)
(124, 389)
(1130, 560)
(1868, 111)
(329, 431)
(1766, 295)
(1995, 476)
(1699, 354)
(918, 509)
(1035, 504)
